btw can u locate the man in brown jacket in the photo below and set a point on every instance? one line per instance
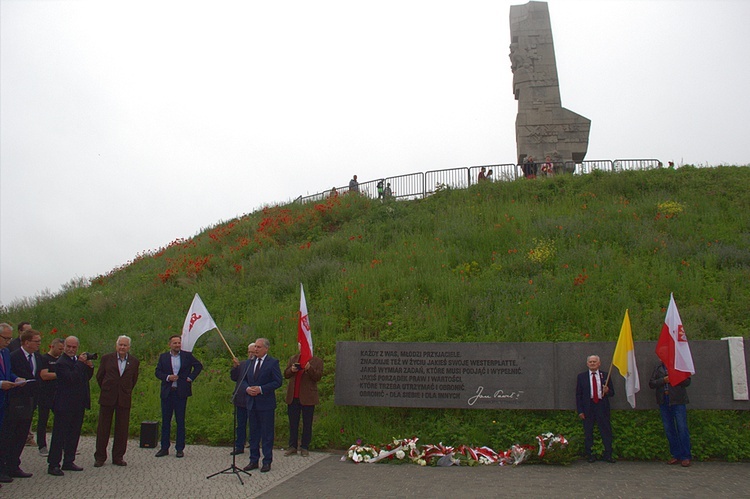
(117, 376)
(301, 398)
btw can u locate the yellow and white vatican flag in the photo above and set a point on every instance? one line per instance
(624, 360)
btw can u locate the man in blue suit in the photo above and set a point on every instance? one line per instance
(592, 404)
(177, 370)
(7, 378)
(260, 384)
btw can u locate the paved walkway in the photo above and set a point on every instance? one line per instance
(325, 475)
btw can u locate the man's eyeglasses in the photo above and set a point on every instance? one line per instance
(6, 338)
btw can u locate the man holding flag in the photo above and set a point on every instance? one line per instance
(303, 371)
(669, 380)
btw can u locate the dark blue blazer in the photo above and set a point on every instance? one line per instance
(583, 393)
(21, 398)
(269, 379)
(190, 367)
(6, 374)
(73, 392)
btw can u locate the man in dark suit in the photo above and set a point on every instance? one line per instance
(237, 373)
(20, 407)
(73, 397)
(260, 383)
(301, 399)
(117, 376)
(177, 370)
(15, 343)
(592, 404)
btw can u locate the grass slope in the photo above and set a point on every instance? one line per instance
(546, 260)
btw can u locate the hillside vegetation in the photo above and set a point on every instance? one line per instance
(543, 260)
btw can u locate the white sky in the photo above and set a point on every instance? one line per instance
(127, 124)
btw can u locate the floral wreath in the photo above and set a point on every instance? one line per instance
(442, 455)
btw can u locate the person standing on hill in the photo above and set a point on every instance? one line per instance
(46, 391)
(301, 399)
(117, 376)
(177, 370)
(592, 404)
(72, 399)
(260, 383)
(354, 185)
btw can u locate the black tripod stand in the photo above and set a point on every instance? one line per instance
(236, 470)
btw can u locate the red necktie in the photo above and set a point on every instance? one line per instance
(596, 388)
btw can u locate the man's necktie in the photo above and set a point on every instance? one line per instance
(31, 364)
(596, 388)
(257, 369)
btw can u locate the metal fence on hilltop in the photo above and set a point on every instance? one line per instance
(422, 184)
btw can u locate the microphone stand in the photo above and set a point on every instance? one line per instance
(234, 469)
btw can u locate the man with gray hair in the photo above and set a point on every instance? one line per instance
(592, 404)
(73, 397)
(117, 376)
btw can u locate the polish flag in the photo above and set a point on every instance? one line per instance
(672, 347)
(197, 322)
(304, 336)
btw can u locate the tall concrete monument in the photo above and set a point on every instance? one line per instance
(543, 126)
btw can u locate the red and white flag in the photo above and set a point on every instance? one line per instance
(197, 322)
(672, 347)
(304, 336)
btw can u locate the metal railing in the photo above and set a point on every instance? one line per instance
(419, 185)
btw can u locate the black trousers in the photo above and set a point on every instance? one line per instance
(294, 410)
(66, 431)
(12, 441)
(599, 416)
(41, 426)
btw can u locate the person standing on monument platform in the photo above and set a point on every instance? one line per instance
(592, 405)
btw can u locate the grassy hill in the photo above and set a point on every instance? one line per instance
(544, 260)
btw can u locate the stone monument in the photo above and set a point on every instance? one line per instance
(543, 126)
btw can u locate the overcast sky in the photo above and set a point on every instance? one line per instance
(127, 124)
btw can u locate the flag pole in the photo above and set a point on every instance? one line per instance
(225, 343)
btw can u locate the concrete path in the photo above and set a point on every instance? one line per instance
(324, 475)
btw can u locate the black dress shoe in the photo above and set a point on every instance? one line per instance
(71, 467)
(19, 473)
(56, 471)
(180, 454)
(5, 478)
(265, 468)
(98, 464)
(162, 452)
(251, 466)
(119, 463)
(236, 452)
(591, 459)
